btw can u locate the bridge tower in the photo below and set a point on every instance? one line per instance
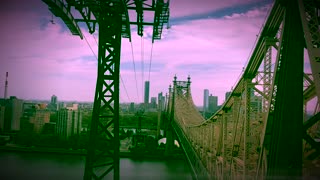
(179, 88)
(112, 17)
(170, 115)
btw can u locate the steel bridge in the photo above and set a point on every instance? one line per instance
(262, 130)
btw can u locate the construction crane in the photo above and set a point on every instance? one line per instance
(112, 17)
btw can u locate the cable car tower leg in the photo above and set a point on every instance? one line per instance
(103, 150)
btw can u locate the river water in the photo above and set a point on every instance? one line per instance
(16, 165)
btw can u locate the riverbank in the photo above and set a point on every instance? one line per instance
(123, 154)
(15, 148)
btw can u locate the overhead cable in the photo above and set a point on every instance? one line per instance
(134, 68)
(150, 62)
(97, 59)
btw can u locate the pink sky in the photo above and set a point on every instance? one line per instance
(44, 59)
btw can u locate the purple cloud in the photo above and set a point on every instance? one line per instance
(43, 59)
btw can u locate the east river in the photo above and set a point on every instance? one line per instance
(24, 165)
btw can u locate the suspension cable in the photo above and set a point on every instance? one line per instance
(125, 89)
(150, 62)
(95, 39)
(90, 47)
(135, 73)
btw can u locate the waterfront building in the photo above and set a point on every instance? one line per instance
(34, 117)
(69, 122)
(12, 109)
(39, 119)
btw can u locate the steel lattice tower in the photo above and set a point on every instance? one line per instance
(112, 17)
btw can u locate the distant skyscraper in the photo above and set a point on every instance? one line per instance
(53, 103)
(69, 122)
(227, 95)
(213, 103)
(161, 101)
(205, 100)
(146, 93)
(153, 102)
(54, 99)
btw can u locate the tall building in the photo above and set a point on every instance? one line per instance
(161, 101)
(53, 106)
(28, 110)
(54, 99)
(153, 103)
(227, 95)
(34, 118)
(69, 122)
(213, 103)
(146, 93)
(12, 114)
(61, 105)
(39, 119)
(205, 100)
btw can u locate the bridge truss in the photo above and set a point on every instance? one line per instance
(262, 129)
(112, 18)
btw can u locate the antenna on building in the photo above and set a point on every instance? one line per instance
(6, 86)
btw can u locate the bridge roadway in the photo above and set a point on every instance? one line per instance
(256, 134)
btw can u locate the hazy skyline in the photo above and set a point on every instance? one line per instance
(208, 40)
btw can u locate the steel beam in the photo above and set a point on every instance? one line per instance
(58, 8)
(309, 14)
(285, 155)
(104, 144)
(247, 128)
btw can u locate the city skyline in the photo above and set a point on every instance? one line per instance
(203, 41)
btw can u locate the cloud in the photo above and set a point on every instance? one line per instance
(180, 8)
(45, 59)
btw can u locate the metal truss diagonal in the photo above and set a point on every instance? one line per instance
(106, 104)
